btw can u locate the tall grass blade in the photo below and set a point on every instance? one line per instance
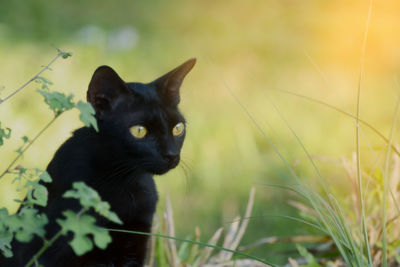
(359, 178)
(195, 243)
(365, 123)
(322, 181)
(386, 186)
(324, 211)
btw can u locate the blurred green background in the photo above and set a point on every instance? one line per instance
(253, 47)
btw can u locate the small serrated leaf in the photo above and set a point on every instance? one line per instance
(64, 55)
(44, 176)
(27, 223)
(89, 198)
(25, 139)
(58, 102)
(37, 193)
(5, 243)
(5, 133)
(82, 227)
(87, 114)
(19, 151)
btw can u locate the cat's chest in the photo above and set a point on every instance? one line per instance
(135, 200)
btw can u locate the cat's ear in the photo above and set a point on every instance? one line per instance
(168, 85)
(104, 89)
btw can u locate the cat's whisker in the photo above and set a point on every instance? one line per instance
(186, 170)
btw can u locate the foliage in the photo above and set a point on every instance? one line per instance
(191, 252)
(4, 134)
(58, 102)
(311, 261)
(82, 226)
(37, 193)
(28, 222)
(89, 198)
(87, 114)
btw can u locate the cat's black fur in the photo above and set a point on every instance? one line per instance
(119, 166)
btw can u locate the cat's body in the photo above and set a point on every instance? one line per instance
(118, 162)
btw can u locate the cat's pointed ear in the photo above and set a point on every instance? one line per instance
(168, 85)
(104, 89)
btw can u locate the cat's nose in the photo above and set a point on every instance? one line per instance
(172, 158)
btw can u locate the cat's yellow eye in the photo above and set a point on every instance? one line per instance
(178, 129)
(138, 131)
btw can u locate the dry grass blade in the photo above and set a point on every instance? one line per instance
(208, 250)
(237, 263)
(165, 241)
(245, 221)
(229, 237)
(233, 239)
(152, 251)
(171, 231)
(293, 263)
(304, 208)
(291, 239)
(152, 248)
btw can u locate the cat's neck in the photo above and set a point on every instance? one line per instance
(111, 175)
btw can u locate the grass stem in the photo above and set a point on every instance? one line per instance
(7, 170)
(32, 79)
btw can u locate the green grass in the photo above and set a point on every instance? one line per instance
(256, 50)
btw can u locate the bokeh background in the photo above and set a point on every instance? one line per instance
(253, 48)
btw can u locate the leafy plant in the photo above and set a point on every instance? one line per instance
(83, 225)
(28, 222)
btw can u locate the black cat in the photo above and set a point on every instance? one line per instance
(141, 133)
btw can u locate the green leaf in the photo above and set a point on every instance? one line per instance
(103, 208)
(4, 134)
(58, 102)
(86, 195)
(37, 193)
(44, 176)
(397, 257)
(26, 224)
(25, 139)
(87, 114)
(82, 227)
(45, 82)
(160, 256)
(308, 256)
(3, 218)
(183, 251)
(19, 151)
(89, 198)
(64, 55)
(5, 243)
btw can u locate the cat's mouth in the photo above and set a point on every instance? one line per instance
(167, 165)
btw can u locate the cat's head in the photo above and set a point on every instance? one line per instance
(141, 121)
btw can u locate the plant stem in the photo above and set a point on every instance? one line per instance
(364, 230)
(386, 187)
(194, 242)
(44, 248)
(59, 54)
(29, 144)
(343, 112)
